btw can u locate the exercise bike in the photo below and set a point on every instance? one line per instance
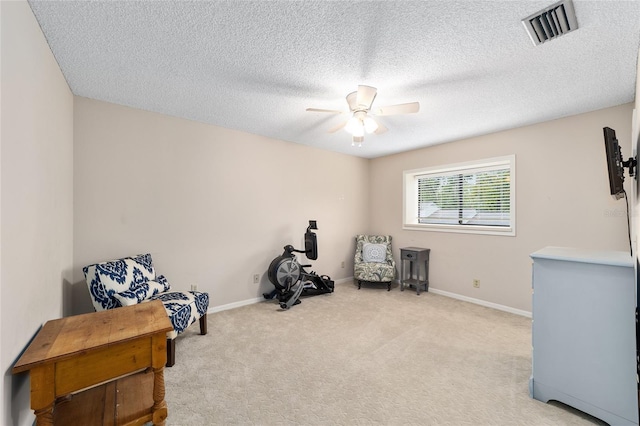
(289, 277)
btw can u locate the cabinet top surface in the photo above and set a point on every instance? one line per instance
(65, 337)
(414, 249)
(603, 257)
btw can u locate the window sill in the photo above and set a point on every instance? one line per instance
(463, 229)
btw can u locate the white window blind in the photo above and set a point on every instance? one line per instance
(478, 195)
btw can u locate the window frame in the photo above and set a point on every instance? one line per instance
(410, 197)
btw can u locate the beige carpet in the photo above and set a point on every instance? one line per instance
(359, 357)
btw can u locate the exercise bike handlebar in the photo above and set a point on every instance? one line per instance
(289, 249)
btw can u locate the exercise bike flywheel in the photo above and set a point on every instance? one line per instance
(283, 272)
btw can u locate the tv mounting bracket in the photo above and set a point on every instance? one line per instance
(631, 164)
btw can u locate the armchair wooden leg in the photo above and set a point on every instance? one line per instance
(171, 352)
(203, 324)
(359, 284)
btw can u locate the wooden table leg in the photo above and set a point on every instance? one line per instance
(159, 409)
(43, 394)
(44, 416)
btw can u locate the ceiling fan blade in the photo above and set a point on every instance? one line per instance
(330, 111)
(366, 95)
(381, 129)
(408, 108)
(338, 127)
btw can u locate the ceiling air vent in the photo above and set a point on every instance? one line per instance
(551, 23)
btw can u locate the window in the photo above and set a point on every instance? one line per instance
(476, 197)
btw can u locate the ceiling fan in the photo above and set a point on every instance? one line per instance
(361, 120)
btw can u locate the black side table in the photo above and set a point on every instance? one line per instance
(420, 256)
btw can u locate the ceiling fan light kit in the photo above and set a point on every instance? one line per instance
(361, 122)
(369, 124)
(355, 127)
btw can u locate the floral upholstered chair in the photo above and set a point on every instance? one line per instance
(132, 280)
(373, 261)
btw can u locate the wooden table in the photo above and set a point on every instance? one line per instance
(111, 359)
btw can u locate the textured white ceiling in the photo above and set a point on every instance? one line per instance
(257, 65)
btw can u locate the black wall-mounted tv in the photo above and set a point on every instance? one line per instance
(614, 163)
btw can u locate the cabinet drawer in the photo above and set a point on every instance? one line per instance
(98, 366)
(409, 255)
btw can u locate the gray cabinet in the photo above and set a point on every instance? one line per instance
(415, 256)
(584, 350)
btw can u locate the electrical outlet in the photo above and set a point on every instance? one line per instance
(194, 287)
(476, 283)
(256, 278)
(342, 264)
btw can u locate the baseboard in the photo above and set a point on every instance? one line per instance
(256, 300)
(350, 279)
(234, 305)
(481, 302)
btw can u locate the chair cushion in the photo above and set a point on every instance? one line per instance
(183, 308)
(115, 276)
(124, 271)
(374, 252)
(374, 272)
(142, 291)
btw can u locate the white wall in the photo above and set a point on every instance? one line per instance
(36, 199)
(213, 206)
(562, 199)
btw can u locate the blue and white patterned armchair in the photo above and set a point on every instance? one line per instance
(373, 261)
(132, 280)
